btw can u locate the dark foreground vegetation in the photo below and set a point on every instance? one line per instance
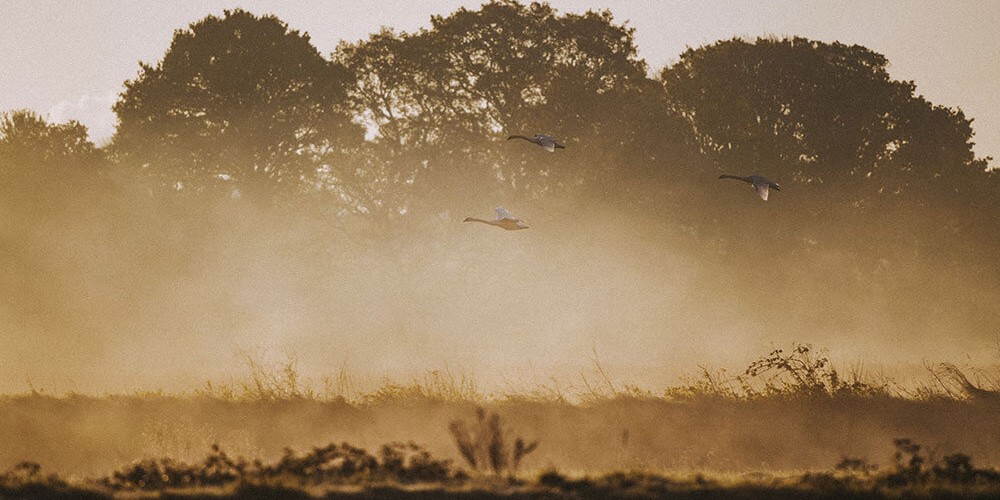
(398, 470)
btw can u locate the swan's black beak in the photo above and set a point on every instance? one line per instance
(776, 187)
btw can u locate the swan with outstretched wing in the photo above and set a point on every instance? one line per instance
(762, 185)
(546, 141)
(504, 220)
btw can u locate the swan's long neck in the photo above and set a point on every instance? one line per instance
(529, 139)
(474, 219)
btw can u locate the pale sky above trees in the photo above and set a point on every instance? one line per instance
(70, 60)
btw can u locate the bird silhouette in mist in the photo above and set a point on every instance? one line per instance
(760, 183)
(504, 219)
(546, 141)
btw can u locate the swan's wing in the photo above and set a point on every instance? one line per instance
(728, 176)
(761, 190)
(546, 141)
(502, 213)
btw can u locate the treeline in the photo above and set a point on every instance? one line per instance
(386, 134)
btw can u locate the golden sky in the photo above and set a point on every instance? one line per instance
(68, 60)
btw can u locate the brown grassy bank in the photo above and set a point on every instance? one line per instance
(788, 411)
(84, 435)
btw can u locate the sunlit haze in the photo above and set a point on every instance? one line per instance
(510, 311)
(499, 250)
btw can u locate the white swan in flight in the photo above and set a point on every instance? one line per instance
(760, 183)
(504, 219)
(546, 141)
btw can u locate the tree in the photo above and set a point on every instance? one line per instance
(443, 100)
(39, 161)
(884, 171)
(51, 179)
(818, 113)
(240, 101)
(28, 142)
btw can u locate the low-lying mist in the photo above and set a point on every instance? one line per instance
(111, 289)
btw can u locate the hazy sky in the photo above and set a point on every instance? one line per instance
(68, 60)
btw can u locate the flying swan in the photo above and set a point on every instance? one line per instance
(760, 184)
(504, 219)
(546, 141)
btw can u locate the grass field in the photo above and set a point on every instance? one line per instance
(789, 426)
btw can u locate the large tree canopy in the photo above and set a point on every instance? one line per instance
(503, 68)
(816, 112)
(240, 100)
(829, 121)
(245, 103)
(460, 87)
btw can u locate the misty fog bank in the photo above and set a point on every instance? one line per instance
(161, 297)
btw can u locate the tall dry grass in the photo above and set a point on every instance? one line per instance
(789, 410)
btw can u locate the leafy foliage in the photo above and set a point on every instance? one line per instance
(914, 467)
(441, 99)
(804, 372)
(332, 464)
(239, 100)
(26, 480)
(339, 465)
(245, 106)
(817, 112)
(801, 372)
(36, 156)
(27, 137)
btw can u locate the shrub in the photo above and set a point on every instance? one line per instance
(331, 464)
(484, 444)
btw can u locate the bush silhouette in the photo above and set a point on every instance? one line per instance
(484, 444)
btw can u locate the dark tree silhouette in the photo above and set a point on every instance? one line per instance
(882, 171)
(458, 89)
(29, 144)
(819, 113)
(240, 101)
(41, 162)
